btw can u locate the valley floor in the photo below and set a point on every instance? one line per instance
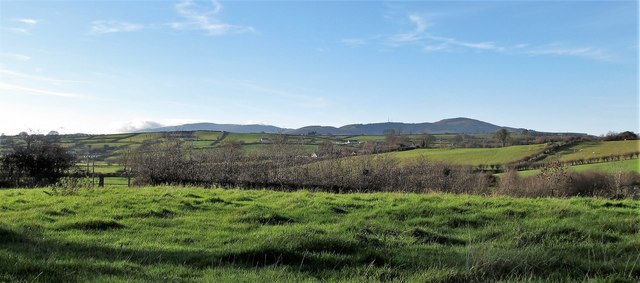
(160, 234)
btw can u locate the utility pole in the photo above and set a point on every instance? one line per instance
(93, 171)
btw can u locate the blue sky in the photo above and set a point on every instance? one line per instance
(111, 66)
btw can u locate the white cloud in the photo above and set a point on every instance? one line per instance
(100, 27)
(420, 23)
(205, 17)
(253, 122)
(145, 123)
(132, 126)
(17, 88)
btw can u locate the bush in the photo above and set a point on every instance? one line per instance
(35, 162)
(586, 183)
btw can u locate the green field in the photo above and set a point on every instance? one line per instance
(247, 138)
(207, 135)
(208, 140)
(115, 181)
(587, 150)
(472, 156)
(632, 165)
(176, 234)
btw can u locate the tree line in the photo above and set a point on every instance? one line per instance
(39, 161)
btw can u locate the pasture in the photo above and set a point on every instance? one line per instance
(159, 234)
(472, 156)
(107, 149)
(593, 149)
(632, 165)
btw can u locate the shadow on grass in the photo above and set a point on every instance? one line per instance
(61, 261)
(33, 258)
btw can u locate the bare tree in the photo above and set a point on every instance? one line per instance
(426, 140)
(503, 136)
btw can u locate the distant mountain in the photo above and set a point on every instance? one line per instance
(455, 125)
(219, 127)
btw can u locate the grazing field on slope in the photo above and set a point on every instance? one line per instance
(632, 165)
(247, 138)
(159, 234)
(587, 150)
(472, 156)
(207, 135)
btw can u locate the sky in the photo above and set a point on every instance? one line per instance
(116, 66)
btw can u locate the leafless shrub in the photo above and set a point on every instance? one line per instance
(557, 182)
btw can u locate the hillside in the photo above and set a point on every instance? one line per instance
(472, 156)
(177, 234)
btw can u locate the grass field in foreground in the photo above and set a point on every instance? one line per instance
(472, 156)
(191, 234)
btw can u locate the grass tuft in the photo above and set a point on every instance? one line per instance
(62, 212)
(426, 236)
(98, 225)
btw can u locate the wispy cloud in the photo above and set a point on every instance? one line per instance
(10, 73)
(18, 30)
(558, 50)
(354, 41)
(436, 47)
(205, 17)
(434, 42)
(101, 27)
(27, 21)
(17, 88)
(417, 34)
(472, 45)
(15, 56)
(421, 35)
(22, 26)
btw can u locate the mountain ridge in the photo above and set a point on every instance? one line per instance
(452, 125)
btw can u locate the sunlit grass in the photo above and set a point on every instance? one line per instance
(472, 156)
(194, 234)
